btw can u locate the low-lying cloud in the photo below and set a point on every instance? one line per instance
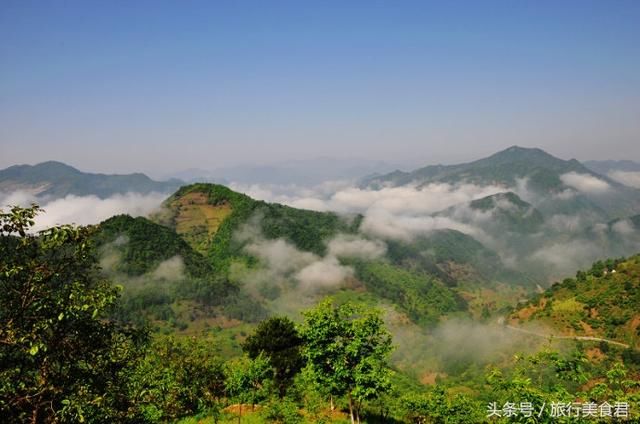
(85, 210)
(628, 178)
(565, 258)
(282, 262)
(585, 183)
(384, 224)
(350, 246)
(171, 269)
(326, 272)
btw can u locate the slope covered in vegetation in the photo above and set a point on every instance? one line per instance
(602, 302)
(207, 215)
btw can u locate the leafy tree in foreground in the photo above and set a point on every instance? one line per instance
(436, 405)
(248, 380)
(347, 350)
(61, 360)
(176, 378)
(277, 339)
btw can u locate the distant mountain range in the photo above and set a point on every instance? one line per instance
(300, 172)
(540, 205)
(558, 186)
(623, 171)
(502, 168)
(605, 166)
(241, 258)
(50, 180)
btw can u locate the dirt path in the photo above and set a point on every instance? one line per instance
(551, 336)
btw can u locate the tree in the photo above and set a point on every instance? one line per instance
(437, 405)
(277, 339)
(177, 377)
(61, 358)
(347, 350)
(247, 380)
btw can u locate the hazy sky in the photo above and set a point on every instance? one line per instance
(155, 86)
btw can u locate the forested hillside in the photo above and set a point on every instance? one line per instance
(255, 255)
(77, 358)
(602, 302)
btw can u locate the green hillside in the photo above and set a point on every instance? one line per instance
(602, 302)
(209, 228)
(453, 257)
(208, 215)
(412, 334)
(143, 245)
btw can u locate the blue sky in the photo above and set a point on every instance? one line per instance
(160, 86)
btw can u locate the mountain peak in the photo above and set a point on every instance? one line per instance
(523, 153)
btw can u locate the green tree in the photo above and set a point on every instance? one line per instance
(437, 406)
(347, 350)
(248, 380)
(277, 339)
(176, 378)
(61, 358)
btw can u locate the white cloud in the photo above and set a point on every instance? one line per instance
(20, 198)
(391, 212)
(348, 246)
(382, 223)
(628, 178)
(85, 210)
(585, 183)
(565, 258)
(565, 223)
(623, 227)
(282, 261)
(341, 196)
(171, 270)
(325, 273)
(280, 256)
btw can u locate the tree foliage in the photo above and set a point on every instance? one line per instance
(176, 378)
(61, 359)
(277, 339)
(347, 350)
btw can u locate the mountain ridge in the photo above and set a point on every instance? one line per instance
(53, 179)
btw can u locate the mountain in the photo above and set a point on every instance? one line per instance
(50, 180)
(503, 168)
(454, 258)
(602, 302)
(298, 172)
(236, 257)
(143, 245)
(208, 215)
(498, 213)
(556, 185)
(623, 171)
(604, 167)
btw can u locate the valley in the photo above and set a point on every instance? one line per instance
(461, 288)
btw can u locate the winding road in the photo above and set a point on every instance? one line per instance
(552, 336)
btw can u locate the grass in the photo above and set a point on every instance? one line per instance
(197, 220)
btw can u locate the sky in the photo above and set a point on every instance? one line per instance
(162, 86)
